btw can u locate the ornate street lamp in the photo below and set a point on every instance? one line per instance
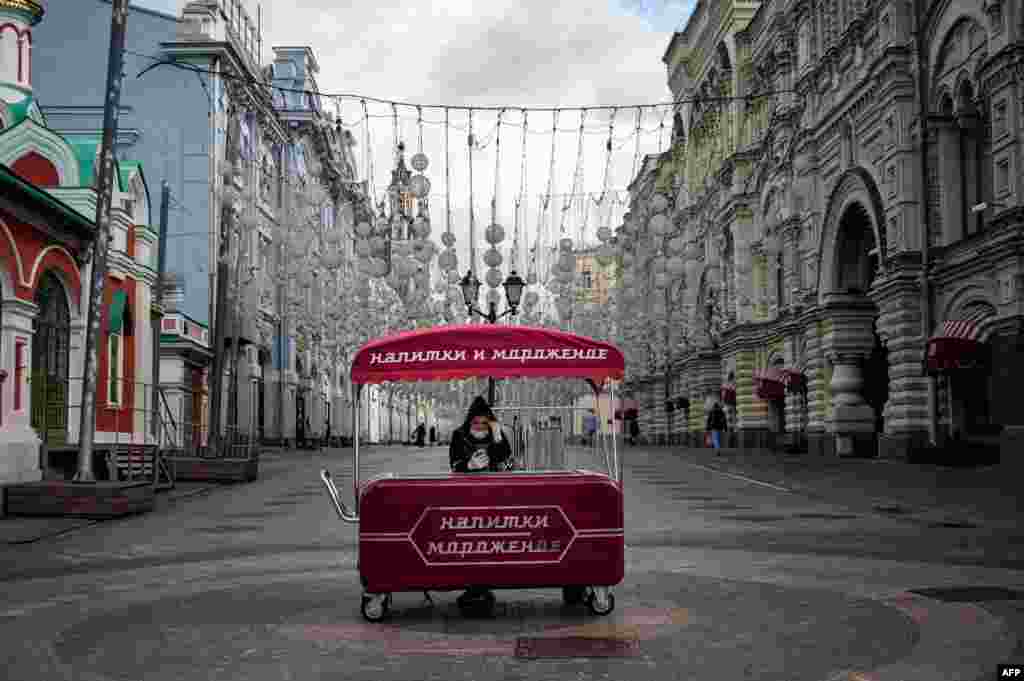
(513, 286)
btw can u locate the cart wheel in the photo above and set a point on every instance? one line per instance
(601, 601)
(574, 595)
(375, 608)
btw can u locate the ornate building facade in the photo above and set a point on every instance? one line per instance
(47, 208)
(848, 178)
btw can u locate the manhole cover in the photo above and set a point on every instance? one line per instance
(570, 647)
(826, 516)
(970, 594)
(755, 518)
(891, 509)
(954, 525)
(230, 529)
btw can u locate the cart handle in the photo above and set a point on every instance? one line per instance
(339, 505)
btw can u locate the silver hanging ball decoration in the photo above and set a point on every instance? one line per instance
(494, 234)
(419, 162)
(420, 186)
(492, 258)
(448, 239)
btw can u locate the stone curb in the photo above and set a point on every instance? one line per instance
(910, 512)
(83, 523)
(959, 641)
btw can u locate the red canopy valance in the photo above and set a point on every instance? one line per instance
(448, 353)
(770, 384)
(629, 410)
(956, 347)
(728, 393)
(796, 381)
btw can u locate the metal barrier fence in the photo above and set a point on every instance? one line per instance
(138, 431)
(545, 438)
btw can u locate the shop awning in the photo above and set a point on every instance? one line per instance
(628, 410)
(959, 344)
(795, 381)
(117, 308)
(728, 393)
(770, 384)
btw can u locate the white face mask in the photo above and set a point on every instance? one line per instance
(478, 434)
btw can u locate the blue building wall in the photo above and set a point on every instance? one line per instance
(167, 108)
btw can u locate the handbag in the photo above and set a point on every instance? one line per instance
(707, 439)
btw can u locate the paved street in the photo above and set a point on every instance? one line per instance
(737, 568)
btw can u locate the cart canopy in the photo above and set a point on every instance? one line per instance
(455, 352)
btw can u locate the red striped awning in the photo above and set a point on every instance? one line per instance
(770, 384)
(795, 380)
(959, 344)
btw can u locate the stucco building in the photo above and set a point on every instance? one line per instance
(47, 208)
(852, 189)
(245, 165)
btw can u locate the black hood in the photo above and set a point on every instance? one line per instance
(479, 407)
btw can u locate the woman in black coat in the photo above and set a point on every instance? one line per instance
(479, 446)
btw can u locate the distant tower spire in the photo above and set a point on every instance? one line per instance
(17, 17)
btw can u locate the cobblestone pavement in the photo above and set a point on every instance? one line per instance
(728, 577)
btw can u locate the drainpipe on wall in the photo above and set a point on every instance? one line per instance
(926, 295)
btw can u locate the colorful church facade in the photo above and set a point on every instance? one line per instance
(47, 210)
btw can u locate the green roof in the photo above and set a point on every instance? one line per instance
(19, 110)
(43, 201)
(86, 148)
(124, 172)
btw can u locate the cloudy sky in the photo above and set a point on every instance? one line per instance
(502, 53)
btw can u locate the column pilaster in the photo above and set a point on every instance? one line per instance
(898, 298)
(19, 442)
(847, 345)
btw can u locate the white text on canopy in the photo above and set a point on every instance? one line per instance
(521, 355)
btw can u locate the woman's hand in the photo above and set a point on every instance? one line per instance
(478, 461)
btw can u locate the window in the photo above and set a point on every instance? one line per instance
(1003, 177)
(999, 119)
(115, 373)
(780, 284)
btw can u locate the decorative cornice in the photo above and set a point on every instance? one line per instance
(31, 7)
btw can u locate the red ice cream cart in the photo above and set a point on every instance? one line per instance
(511, 529)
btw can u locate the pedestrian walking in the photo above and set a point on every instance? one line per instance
(634, 431)
(589, 427)
(433, 435)
(420, 435)
(716, 425)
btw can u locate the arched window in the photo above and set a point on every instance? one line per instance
(50, 343)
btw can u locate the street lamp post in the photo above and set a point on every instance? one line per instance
(513, 286)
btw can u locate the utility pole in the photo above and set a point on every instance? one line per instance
(101, 246)
(158, 294)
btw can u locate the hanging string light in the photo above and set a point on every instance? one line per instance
(495, 233)
(472, 226)
(577, 173)
(520, 199)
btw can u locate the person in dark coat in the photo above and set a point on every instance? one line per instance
(433, 435)
(717, 424)
(478, 446)
(634, 431)
(421, 435)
